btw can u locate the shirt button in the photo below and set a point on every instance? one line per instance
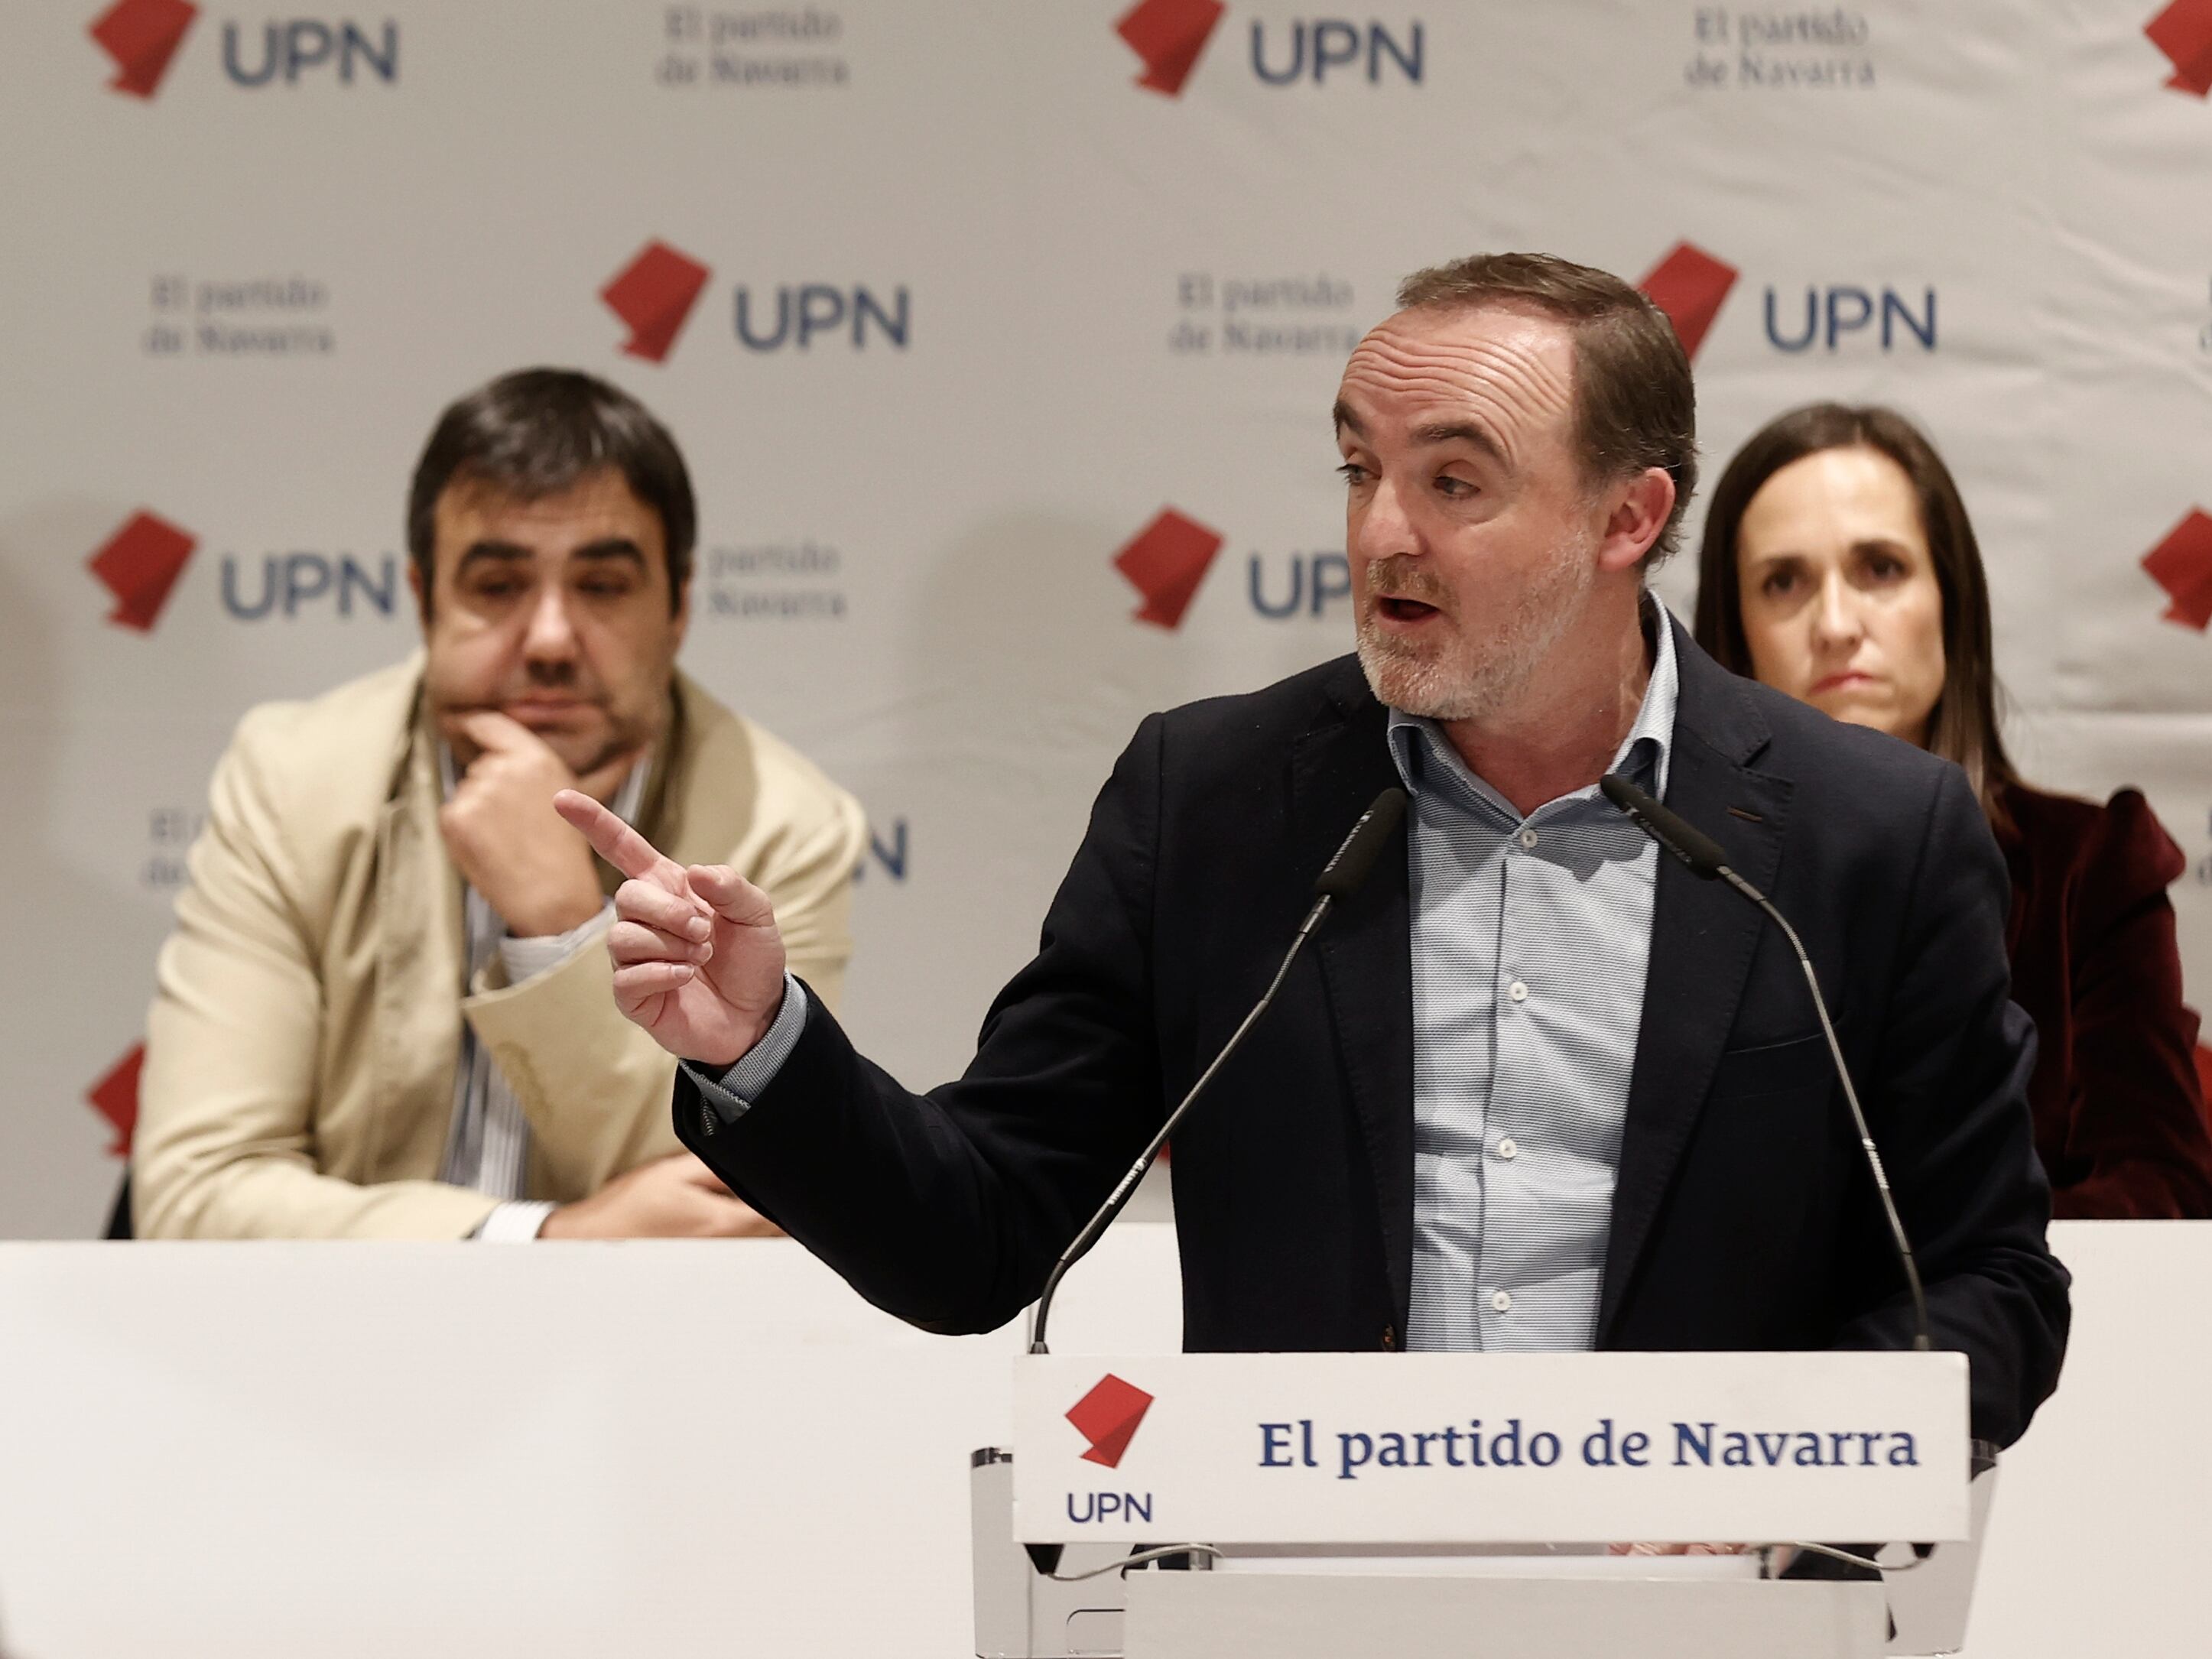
(1518, 991)
(1528, 837)
(1506, 1149)
(1502, 1300)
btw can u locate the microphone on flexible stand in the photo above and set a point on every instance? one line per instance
(1340, 879)
(1709, 860)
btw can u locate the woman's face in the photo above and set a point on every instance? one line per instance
(1841, 607)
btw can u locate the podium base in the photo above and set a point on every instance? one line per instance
(1286, 1615)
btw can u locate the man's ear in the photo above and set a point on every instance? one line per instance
(1641, 507)
(421, 594)
(683, 619)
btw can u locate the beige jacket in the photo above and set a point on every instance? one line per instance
(306, 1029)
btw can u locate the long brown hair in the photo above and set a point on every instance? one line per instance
(1963, 725)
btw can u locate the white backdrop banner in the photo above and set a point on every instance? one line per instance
(1001, 339)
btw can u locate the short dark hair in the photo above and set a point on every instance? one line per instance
(537, 432)
(1636, 406)
(1963, 725)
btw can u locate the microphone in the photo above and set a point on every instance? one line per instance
(1339, 880)
(1709, 860)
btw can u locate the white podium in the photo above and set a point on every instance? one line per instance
(1414, 1505)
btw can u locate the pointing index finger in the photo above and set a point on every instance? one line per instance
(610, 838)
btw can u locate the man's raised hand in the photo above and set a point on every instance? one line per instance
(698, 961)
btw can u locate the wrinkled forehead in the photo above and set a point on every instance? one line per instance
(1511, 370)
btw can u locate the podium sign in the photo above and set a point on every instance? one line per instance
(1455, 1449)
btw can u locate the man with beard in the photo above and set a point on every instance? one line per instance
(384, 1010)
(1534, 1087)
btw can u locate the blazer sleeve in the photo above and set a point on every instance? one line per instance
(1947, 1104)
(2134, 1108)
(949, 1208)
(225, 1142)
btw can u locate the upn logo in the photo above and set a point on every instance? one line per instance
(1170, 36)
(291, 49)
(653, 295)
(2183, 32)
(142, 36)
(115, 1097)
(1834, 313)
(1165, 562)
(1690, 285)
(141, 562)
(2182, 564)
(1108, 1417)
(139, 566)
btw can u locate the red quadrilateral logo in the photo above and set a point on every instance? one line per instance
(654, 294)
(1169, 35)
(1689, 285)
(115, 1097)
(2183, 32)
(1108, 1418)
(1165, 562)
(142, 36)
(139, 565)
(2182, 565)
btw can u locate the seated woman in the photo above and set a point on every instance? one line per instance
(1838, 565)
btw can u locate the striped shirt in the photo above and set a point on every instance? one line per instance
(1530, 939)
(488, 1148)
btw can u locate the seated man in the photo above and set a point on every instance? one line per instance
(385, 1011)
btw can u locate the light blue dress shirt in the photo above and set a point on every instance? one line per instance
(1530, 939)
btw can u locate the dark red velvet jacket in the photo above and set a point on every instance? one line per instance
(2119, 1111)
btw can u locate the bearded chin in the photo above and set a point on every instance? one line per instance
(1433, 687)
(1475, 680)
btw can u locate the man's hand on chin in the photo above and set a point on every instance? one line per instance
(532, 869)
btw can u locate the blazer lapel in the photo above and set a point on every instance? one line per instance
(419, 969)
(1366, 954)
(1702, 935)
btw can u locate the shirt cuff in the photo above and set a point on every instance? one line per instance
(733, 1092)
(515, 1222)
(526, 959)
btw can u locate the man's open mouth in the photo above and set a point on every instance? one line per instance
(1405, 611)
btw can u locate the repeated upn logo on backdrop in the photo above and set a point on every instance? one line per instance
(2182, 565)
(1167, 559)
(1691, 285)
(2183, 32)
(139, 566)
(1170, 36)
(1165, 562)
(143, 37)
(654, 293)
(141, 563)
(115, 1097)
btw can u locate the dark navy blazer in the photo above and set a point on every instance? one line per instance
(1744, 1216)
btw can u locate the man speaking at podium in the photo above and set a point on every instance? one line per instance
(1534, 1087)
